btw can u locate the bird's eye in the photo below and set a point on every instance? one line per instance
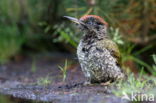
(98, 23)
(89, 23)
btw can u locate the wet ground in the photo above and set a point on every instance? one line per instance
(40, 79)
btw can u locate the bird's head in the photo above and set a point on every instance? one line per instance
(91, 24)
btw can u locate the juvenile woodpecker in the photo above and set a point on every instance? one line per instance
(98, 55)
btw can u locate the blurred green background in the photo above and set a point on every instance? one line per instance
(38, 26)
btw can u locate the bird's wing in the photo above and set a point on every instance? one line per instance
(113, 48)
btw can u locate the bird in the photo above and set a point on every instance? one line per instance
(98, 55)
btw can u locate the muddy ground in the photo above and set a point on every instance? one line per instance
(20, 81)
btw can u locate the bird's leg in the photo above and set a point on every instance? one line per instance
(106, 83)
(88, 81)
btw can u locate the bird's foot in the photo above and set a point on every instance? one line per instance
(87, 83)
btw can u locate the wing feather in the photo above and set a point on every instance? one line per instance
(113, 48)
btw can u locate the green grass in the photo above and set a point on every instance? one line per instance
(116, 36)
(64, 70)
(142, 83)
(33, 66)
(154, 65)
(4, 99)
(10, 42)
(65, 34)
(135, 85)
(44, 81)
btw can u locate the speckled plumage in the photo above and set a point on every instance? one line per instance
(98, 63)
(97, 53)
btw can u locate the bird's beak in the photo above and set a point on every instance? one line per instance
(75, 20)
